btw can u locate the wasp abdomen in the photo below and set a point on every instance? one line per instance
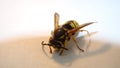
(70, 25)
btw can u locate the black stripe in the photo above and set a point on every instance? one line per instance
(67, 25)
(74, 24)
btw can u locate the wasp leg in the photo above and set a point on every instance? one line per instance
(50, 49)
(48, 45)
(70, 32)
(89, 37)
(77, 44)
(63, 49)
(61, 52)
(85, 31)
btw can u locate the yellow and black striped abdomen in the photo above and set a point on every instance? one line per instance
(70, 25)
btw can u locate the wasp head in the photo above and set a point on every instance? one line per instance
(55, 44)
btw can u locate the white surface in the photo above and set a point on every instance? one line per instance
(28, 53)
(24, 22)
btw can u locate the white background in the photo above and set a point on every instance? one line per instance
(28, 22)
(34, 16)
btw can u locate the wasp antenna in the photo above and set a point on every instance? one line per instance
(45, 43)
(42, 42)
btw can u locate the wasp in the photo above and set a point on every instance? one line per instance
(62, 34)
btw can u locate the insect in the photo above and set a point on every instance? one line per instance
(62, 34)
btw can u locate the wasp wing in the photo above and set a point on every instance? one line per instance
(56, 20)
(81, 26)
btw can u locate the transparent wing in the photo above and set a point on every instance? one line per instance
(56, 20)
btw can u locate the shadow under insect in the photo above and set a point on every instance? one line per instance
(73, 53)
(68, 55)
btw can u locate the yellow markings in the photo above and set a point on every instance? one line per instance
(62, 36)
(72, 25)
(65, 29)
(76, 24)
